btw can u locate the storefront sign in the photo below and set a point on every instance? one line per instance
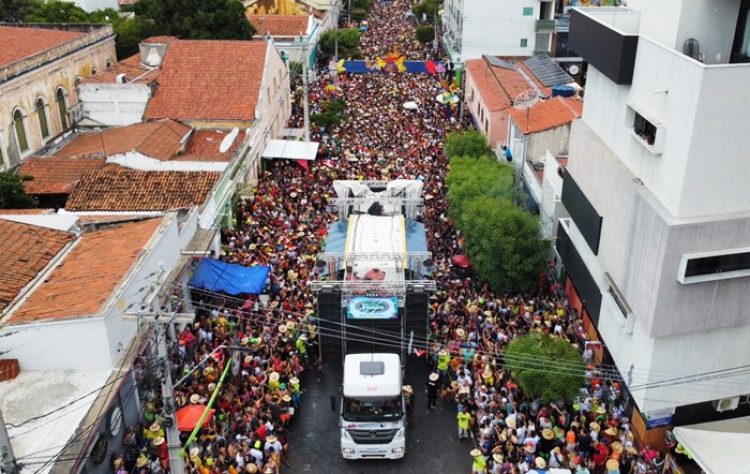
(362, 307)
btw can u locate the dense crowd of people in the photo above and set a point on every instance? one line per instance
(283, 226)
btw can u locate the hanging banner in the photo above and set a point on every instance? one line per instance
(362, 307)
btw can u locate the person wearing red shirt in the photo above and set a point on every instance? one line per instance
(601, 453)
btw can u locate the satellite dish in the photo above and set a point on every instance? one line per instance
(574, 69)
(226, 143)
(526, 99)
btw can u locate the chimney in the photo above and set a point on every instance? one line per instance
(121, 79)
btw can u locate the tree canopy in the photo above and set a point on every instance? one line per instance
(425, 34)
(197, 19)
(12, 193)
(468, 143)
(470, 178)
(546, 368)
(348, 42)
(504, 243)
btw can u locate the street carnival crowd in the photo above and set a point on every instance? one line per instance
(284, 225)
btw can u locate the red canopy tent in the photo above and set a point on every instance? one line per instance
(461, 261)
(188, 417)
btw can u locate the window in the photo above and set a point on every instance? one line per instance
(528, 11)
(711, 266)
(41, 115)
(524, 42)
(62, 108)
(108, 63)
(717, 264)
(644, 129)
(18, 125)
(617, 295)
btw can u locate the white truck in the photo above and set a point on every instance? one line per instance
(373, 412)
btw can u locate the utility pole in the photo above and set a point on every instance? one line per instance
(8, 463)
(306, 100)
(349, 14)
(176, 461)
(336, 45)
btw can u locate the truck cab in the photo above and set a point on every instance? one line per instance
(373, 413)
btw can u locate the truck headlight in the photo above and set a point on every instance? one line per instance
(397, 450)
(348, 451)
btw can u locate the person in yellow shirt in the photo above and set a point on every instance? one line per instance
(479, 464)
(464, 421)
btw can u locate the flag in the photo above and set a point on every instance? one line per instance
(419, 352)
(303, 163)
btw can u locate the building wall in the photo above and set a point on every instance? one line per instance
(496, 122)
(114, 104)
(554, 140)
(496, 28)
(43, 81)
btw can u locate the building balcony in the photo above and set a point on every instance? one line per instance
(608, 39)
(545, 25)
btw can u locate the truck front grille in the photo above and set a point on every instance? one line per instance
(372, 436)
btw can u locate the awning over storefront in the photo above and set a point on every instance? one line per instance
(718, 446)
(291, 150)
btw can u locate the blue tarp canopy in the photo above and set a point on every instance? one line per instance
(233, 279)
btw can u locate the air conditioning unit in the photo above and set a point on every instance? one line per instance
(76, 113)
(726, 404)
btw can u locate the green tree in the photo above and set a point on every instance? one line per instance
(362, 4)
(546, 368)
(359, 14)
(504, 243)
(15, 10)
(348, 41)
(197, 19)
(469, 178)
(427, 7)
(468, 143)
(425, 34)
(56, 11)
(12, 193)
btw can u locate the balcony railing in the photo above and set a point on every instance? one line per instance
(545, 25)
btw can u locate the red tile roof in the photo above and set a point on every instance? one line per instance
(20, 42)
(88, 275)
(204, 146)
(207, 79)
(56, 175)
(159, 140)
(547, 114)
(26, 250)
(133, 69)
(279, 25)
(498, 86)
(115, 188)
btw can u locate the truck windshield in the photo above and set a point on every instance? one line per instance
(372, 409)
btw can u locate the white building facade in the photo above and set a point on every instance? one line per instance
(472, 28)
(657, 246)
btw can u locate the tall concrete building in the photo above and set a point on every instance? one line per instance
(657, 246)
(472, 28)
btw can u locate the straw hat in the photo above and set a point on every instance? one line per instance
(303, 337)
(286, 398)
(548, 433)
(194, 452)
(293, 380)
(497, 457)
(595, 426)
(274, 377)
(463, 390)
(407, 389)
(244, 341)
(155, 427)
(540, 463)
(601, 410)
(248, 359)
(251, 469)
(194, 400)
(443, 352)
(630, 448)
(475, 453)
(211, 387)
(611, 431)
(617, 447)
(454, 385)
(511, 423)
(291, 324)
(434, 376)
(282, 328)
(529, 448)
(141, 461)
(158, 441)
(461, 333)
(272, 439)
(612, 465)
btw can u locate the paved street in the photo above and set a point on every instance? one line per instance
(432, 446)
